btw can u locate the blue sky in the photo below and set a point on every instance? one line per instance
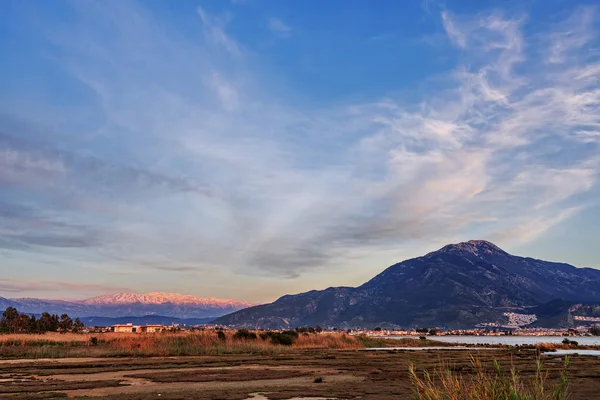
(253, 148)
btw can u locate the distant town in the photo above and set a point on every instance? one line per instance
(376, 332)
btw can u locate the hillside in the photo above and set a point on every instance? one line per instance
(459, 286)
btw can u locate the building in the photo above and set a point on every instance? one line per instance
(124, 328)
(138, 329)
(151, 328)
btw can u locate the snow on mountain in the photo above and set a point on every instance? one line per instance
(132, 304)
(475, 247)
(162, 298)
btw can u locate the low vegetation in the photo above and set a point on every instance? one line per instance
(445, 383)
(187, 343)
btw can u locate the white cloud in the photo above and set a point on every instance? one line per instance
(531, 228)
(571, 35)
(227, 93)
(278, 27)
(497, 151)
(458, 37)
(215, 31)
(29, 167)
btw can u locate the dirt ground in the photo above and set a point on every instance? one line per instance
(344, 374)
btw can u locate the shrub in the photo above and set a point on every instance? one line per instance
(94, 341)
(293, 334)
(285, 338)
(244, 334)
(221, 336)
(546, 347)
(318, 380)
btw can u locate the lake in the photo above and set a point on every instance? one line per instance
(509, 340)
(449, 348)
(568, 352)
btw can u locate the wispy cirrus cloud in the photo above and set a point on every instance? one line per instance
(10, 286)
(571, 35)
(214, 27)
(221, 170)
(279, 28)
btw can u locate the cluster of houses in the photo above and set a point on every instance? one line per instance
(138, 328)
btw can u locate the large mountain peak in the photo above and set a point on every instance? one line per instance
(459, 286)
(474, 247)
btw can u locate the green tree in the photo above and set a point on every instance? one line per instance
(48, 323)
(595, 331)
(77, 325)
(8, 317)
(20, 324)
(66, 323)
(34, 326)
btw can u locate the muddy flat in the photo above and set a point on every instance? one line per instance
(325, 374)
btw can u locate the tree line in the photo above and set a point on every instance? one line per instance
(13, 321)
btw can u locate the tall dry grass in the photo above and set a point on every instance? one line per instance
(328, 341)
(444, 384)
(54, 345)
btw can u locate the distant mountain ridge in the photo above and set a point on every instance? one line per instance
(458, 286)
(131, 304)
(162, 297)
(144, 320)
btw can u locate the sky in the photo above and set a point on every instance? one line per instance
(248, 149)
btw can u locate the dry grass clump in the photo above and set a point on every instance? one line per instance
(49, 336)
(328, 341)
(445, 384)
(547, 346)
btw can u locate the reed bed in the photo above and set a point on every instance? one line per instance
(446, 384)
(56, 345)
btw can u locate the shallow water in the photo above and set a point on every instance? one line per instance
(568, 352)
(428, 348)
(509, 340)
(260, 396)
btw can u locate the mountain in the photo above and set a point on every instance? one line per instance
(459, 286)
(131, 304)
(144, 320)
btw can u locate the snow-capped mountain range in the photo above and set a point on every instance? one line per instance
(131, 304)
(162, 297)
